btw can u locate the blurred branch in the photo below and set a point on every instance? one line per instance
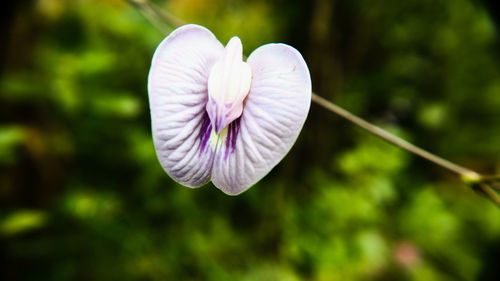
(487, 190)
(157, 16)
(485, 184)
(393, 139)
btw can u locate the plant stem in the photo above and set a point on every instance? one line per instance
(490, 193)
(156, 15)
(393, 139)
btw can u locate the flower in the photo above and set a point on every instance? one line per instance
(216, 117)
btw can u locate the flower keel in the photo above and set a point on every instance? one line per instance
(228, 85)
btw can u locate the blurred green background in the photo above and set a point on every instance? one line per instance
(83, 196)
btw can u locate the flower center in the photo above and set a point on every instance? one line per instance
(228, 85)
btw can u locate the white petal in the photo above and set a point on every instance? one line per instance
(274, 113)
(177, 87)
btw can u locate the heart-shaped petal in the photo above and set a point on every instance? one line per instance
(274, 112)
(182, 133)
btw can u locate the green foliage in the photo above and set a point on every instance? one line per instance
(22, 221)
(84, 197)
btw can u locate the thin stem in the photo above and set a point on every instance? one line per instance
(156, 15)
(462, 171)
(150, 14)
(493, 195)
(167, 17)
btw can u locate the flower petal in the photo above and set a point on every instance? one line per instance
(177, 87)
(274, 113)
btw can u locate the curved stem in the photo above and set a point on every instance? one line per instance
(462, 171)
(485, 183)
(156, 15)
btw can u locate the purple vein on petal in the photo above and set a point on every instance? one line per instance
(205, 131)
(232, 135)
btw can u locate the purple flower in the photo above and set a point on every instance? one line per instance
(216, 117)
